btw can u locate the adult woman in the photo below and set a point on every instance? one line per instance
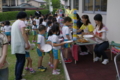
(87, 28)
(101, 37)
(18, 41)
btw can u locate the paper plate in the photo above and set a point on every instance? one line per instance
(68, 41)
(32, 46)
(87, 36)
(46, 48)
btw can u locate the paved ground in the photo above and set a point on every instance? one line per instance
(85, 69)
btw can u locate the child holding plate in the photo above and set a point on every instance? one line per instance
(56, 47)
(41, 42)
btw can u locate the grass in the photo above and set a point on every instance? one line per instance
(38, 75)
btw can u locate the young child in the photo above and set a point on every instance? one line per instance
(29, 60)
(44, 22)
(41, 42)
(7, 29)
(2, 27)
(37, 21)
(34, 31)
(56, 47)
(4, 74)
(49, 24)
(67, 36)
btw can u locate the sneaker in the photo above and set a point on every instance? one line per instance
(43, 67)
(82, 53)
(32, 70)
(27, 69)
(70, 60)
(67, 61)
(105, 61)
(49, 63)
(96, 59)
(55, 72)
(41, 70)
(51, 66)
(85, 53)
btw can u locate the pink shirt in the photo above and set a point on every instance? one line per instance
(22, 24)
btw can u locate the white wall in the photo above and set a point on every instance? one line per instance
(113, 20)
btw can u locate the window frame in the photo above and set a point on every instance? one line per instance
(93, 12)
(74, 4)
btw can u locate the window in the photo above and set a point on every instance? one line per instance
(22, 0)
(76, 4)
(4, 1)
(95, 6)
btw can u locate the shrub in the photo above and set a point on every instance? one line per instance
(11, 15)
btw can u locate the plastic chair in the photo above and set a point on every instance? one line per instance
(112, 45)
(116, 60)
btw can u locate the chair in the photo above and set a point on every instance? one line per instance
(116, 60)
(112, 46)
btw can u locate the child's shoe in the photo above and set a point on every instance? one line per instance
(42, 69)
(51, 66)
(27, 69)
(32, 70)
(49, 63)
(55, 72)
(32, 40)
(105, 61)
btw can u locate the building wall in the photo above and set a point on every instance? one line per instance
(34, 3)
(0, 5)
(113, 20)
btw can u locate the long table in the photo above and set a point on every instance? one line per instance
(76, 46)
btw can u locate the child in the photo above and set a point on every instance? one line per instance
(67, 36)
(34, 30)
(29, 60)
(101, 37)
(41, 42)
(7, 29)
(3, 55)
(37, 21)
(56, 47)
(2, 27)
(44, 22)
(49, 24)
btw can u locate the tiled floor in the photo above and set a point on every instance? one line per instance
(85, 69)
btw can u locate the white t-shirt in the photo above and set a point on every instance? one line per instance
(101, 33)
(27, 23)
(66, 31)
(48, 28)
(7, 28)
(55, 39)
(34, 27)
(3, 40)
(2, 29)
(44, 23)
(41, 40)
(37, 22)
(49, 38)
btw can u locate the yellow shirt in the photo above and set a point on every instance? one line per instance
(87, 28)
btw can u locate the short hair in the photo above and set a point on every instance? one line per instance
(67, 19)
(45, 19)
(49, 22)
(50, 18)
(21, 15)
(33, 22)
(41, 27)
(7, 22)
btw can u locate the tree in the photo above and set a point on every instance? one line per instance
(55, 3)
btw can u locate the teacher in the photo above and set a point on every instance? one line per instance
(18, 41)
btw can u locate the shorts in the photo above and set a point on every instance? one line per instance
(56, 54)
(7, 33)
(27, 54)
(34, 33)
(40, 54)
(67, 45)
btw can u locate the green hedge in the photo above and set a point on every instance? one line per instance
(12, 14)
